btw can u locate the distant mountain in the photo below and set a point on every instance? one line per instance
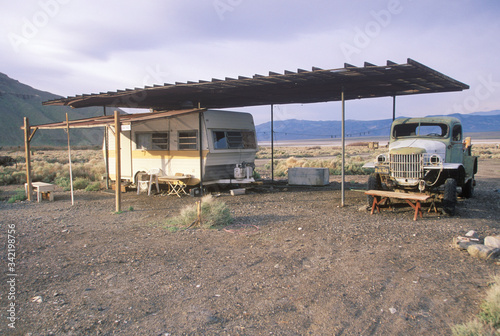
(294, 129)
(489, 113)
(18, 100)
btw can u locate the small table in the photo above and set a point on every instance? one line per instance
(42, 188)
(177, 184)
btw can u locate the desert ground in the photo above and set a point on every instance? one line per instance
(293, 263)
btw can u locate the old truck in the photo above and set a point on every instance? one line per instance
(426, 155)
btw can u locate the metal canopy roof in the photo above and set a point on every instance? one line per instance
(302, 86)
(125, 119)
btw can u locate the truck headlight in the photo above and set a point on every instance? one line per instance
(382, 158)
(435, 160)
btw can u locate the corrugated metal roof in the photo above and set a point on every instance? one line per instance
(125, 119)
(301, 86)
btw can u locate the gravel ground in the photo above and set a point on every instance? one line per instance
(301, 265)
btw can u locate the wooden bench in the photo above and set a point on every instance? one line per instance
(42, 188)
(382, 196)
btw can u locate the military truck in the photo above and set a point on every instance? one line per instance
(426, 155)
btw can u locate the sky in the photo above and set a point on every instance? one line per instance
(71, 47)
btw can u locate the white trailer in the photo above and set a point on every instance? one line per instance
(171, 142)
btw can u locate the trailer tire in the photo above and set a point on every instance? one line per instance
(374, 183)
(450, 196)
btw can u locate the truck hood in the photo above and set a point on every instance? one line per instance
(417, 146)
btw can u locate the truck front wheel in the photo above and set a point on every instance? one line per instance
(374, 183)
(450, 196)
(468, 188)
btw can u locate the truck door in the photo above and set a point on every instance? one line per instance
(456, 151)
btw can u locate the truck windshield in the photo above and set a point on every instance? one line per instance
(421, 130)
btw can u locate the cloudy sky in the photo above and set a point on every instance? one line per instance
(70, 47)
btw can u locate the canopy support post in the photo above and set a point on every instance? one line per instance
(393, 108)
(118, 182)
(272, 143)
(70, 166)
(343, 148)
(27, 149)
(200, 129)
(106, 152)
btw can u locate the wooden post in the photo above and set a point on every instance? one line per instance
(200, 129)
(106, 151)
(118, 184)
(27, 149)
(70, 167)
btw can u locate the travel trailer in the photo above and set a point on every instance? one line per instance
(169, 142)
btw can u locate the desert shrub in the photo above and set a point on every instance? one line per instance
(95, 186)
(489, 316)
(19, 196)
(80, 183)
(214, 213)
(63, 182)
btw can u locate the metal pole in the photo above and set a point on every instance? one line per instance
(106, 151)
(69, 159)
(343, 148)
(272, 142)
(118, 182)
(27, 149)
(393, 108)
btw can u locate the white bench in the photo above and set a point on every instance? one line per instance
(42, 188)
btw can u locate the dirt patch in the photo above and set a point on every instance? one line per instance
(293, 263)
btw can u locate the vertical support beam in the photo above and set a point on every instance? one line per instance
(200, 129)
(27, 149)
(69, 160)
(272, 143)
(118, 182)
(393, 108)
(343, 148)
(106, 151)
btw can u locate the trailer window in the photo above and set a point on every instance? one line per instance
(152, 141)
(188, 140)
(233, 139)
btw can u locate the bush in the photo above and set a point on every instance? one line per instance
(95, 186)
(214, 213)
(19, 196)
(489, 316)
(80, 183)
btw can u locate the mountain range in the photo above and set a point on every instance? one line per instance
(293, 129)
(18, 100)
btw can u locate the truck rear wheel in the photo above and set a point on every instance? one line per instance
(374, 183)
(450, 196)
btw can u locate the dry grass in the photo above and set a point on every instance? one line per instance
(488, 322)
(214, 213)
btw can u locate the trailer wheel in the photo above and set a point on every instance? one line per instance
(374, 183)
(468, 188)
(450, 196)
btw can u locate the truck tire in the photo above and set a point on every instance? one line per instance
(450, 196)
(374, 183)
(468, 188)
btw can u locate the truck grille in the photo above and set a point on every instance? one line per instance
(407, 166)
